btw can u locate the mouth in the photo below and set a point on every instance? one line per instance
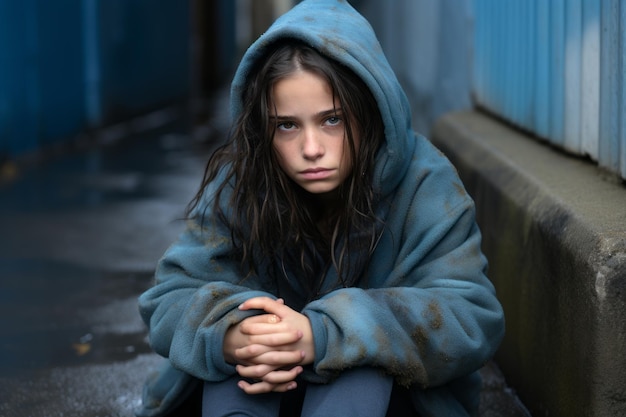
(316, 173)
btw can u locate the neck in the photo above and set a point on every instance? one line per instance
(327, 207)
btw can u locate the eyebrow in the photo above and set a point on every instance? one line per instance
(320, 114)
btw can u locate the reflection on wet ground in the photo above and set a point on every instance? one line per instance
(58, 314)
(79, 238)
(97, 176)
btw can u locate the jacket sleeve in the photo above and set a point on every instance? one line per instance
(195, 298)
(429, 314)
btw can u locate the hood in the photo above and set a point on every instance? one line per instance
(337, 30)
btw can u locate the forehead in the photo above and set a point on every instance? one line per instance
(303, 90)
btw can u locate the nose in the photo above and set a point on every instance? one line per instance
(312, 146)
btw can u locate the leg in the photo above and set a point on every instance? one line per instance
(226, 399)
(356, 392)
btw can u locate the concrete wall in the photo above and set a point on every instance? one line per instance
(555, 233)
(428, 43)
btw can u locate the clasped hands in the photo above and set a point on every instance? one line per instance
(269, 349)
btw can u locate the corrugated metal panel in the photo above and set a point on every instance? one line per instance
(541, 68)
(92, 63)
(590, 112)
(572, 139)
(60, 69)
(144, 54)
(556, 62)
(41, 89)
(428, 44)
(621, 110)
(556, 68)
(611, 102)
(17, 102)
(67, 65)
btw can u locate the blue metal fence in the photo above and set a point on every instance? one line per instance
(144, 53)
(40, 76)
(67, 65)
(558, 69)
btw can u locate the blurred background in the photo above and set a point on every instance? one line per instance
(69, 68)
(73, 67)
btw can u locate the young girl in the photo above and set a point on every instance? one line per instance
(331, 264)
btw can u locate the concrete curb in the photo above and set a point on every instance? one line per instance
(555, 233)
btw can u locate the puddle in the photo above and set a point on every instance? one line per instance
(56, 314)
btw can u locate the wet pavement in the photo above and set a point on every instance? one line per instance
(80, 236)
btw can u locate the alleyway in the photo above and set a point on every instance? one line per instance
(81, 234)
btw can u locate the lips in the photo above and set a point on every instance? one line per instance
(316, 173)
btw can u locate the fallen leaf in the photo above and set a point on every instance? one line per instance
(81, 348)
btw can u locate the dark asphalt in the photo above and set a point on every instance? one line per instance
(80, 234)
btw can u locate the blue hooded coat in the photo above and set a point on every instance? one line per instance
(427, 314)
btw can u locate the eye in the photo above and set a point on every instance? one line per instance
(333, 121)
(286, 126)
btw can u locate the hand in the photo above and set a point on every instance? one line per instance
(263, 363)
(273, 331)
(257, 341)
(267, 346)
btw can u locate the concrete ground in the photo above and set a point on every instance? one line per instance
(80, 236)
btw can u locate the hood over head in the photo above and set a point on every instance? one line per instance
(336, 30)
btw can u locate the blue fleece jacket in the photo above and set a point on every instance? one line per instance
(427, 315)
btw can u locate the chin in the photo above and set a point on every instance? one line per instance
(323, 193)
(320, 190)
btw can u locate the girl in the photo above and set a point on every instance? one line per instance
(331, 263)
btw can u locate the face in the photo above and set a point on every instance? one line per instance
(310, 140)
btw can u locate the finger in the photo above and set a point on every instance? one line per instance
(260, 345)
(271, 358)
(276, 380)
(268, 373)
(264, 324)
(283, 376)
(262, 318)
(267, 304)
(254, 372)
(265, 387)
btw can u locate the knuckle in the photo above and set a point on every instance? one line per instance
(258, 371)
(253, 350)
(242, 353)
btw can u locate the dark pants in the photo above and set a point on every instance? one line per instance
(358, 392)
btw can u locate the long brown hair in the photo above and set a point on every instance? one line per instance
(272, 218)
